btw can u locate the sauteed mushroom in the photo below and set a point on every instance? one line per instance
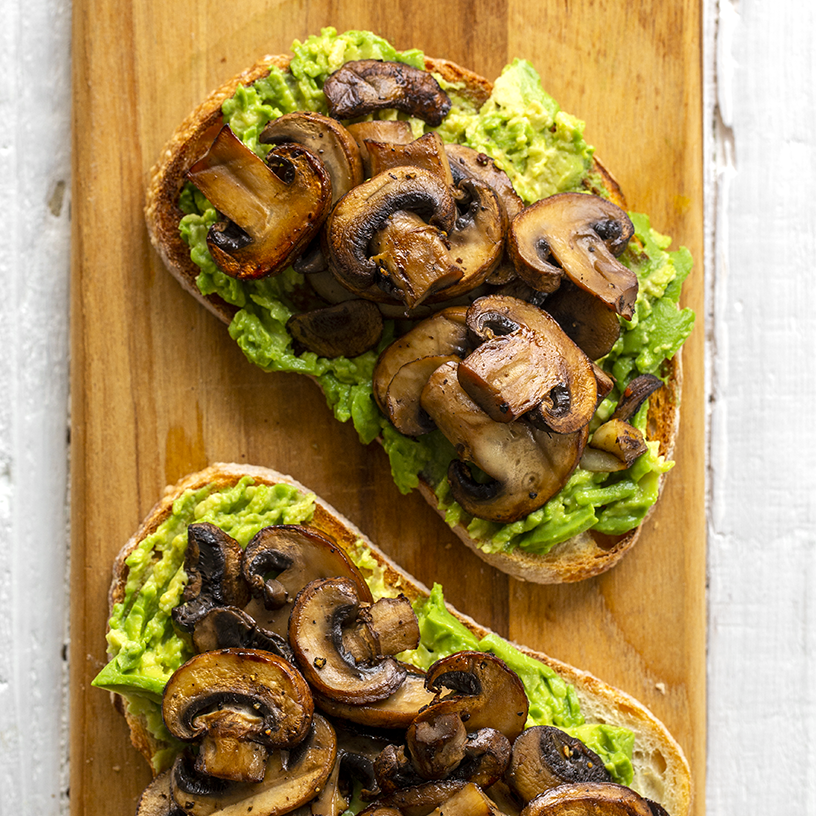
(583, 234)
(365, 86)
(343, 330)
(239, 703)
(526, 360)
(282, 559)
(366, 209)
(526, 465)
(212, 562)
(544, 757)
(325, 138)
(275, 207)
(322, 610)
(390, 131)
(291, 779)
(589, 799)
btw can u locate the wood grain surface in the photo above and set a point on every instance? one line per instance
(158, 388)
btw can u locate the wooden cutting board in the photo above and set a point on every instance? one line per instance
(160, 390)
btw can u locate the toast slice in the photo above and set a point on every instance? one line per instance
(661, 771)
(582, 556)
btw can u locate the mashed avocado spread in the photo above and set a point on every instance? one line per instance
(145, 649)
(542, 149)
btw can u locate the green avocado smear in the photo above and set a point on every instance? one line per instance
(543, 151)
(145, 649)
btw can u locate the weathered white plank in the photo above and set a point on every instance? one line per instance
(762, 519)
(34, 267)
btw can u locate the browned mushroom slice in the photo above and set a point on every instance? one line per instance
(470, 801)
(365, 209)
(444, 798)
(321, 611)
(395, 711)
(365, 86)
(391, 131)
(465, 162)
(440, 747)
(282, 559)
(544, 757)
(614, 446)
(436, 742)
(641, 387)
(583, 234)
(343, 330)
(290, 779)
(387, 627)
(274, 207)
(584, 319)
(419, 800)
(588, 799)
(483, 691)
(325, 138)
(157, 798)
(225, 627)
(526, 466)
(526, 361)
(212, 562)
(476, 243)
(427, 152)
(443, 334)
(402, 402)
(238, 703)
(413, 259)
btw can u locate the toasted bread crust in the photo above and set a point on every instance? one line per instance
(661, 770)
(582, 556)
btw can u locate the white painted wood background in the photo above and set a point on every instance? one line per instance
(761, 176)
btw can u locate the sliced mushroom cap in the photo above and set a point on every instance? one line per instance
(291, 778)
(212, 562)
(325, 138)
(476, 243)
(366, 209)
(226, 627)
(526, 466)
(282, 559)
(238, 703)
(413, 259)
(584, 319)
(544, 757)
(614, 446)
(417, 801)
(389, 131)
(526, 361)
(387, 627)
(275, 207)
(402, 402)
(365, 86)
(588, 799)
(465, 162)
(157, 798)
(584, 234)
(443, 334)
(343, 330)
(320, 613)
(436, 742)
(639, 389)
(470, 801)
(483, 691)
(395, 711)
(427, 152)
